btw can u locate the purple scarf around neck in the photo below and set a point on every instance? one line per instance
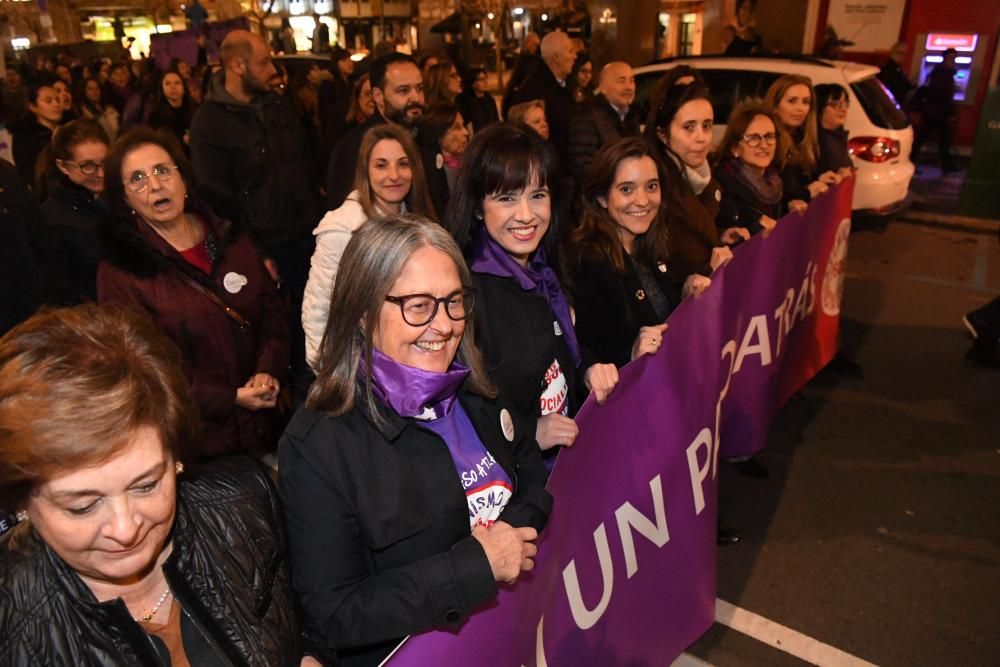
(414, 392)
(537, 278)
(767, 187)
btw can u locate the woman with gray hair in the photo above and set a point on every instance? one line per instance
(409, 489)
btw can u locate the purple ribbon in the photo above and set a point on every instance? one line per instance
(412, 391)
(537, 278)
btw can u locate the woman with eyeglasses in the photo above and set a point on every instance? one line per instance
(834, 103)
(751, 185)
(790, 99)
(503, 216)
(201, 278)
(410, 490)
(73, 212)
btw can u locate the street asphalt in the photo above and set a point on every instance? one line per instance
(878, 530)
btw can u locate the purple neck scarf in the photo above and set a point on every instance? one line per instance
(537, 278)
(413, 392)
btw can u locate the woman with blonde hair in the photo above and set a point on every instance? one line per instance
(531, 115)
(443, 83)
(389, 179)
(790, 98)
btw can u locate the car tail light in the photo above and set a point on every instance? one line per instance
(873, 149)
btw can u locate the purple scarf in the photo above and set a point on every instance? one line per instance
(767, 187)
(538, 278)
(414, 392)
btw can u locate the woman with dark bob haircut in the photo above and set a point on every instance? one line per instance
(202, 280)
(121, 555)
(619, 254)
(409, 489)
(503, 216)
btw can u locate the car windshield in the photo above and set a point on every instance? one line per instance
(879, 105)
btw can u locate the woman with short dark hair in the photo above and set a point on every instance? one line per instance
(443, 138)
(478, 106)
(120, 555)
(201, 278)
(409, 489)
(833, 102)
(33, 133)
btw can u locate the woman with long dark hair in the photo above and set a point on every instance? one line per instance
(33, 133)
(91, 104)
(503, 216)
(443, 139)
(173, 110)
(618, 255)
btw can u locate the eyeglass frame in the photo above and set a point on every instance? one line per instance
(469, 297)
(769, 138)
(843, 103)
(165, 177)
(90, 170)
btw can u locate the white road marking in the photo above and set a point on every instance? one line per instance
(783, 638)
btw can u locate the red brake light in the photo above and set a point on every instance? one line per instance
(873, 149)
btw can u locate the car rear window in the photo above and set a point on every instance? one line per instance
(878, 104)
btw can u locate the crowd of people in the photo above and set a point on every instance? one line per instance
(418, 325)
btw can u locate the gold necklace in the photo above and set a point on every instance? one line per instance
(146, 618)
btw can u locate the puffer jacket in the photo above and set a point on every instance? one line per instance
(333, 233)
(227, 571)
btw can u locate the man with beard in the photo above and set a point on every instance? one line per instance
(398, 92)
(251, 159)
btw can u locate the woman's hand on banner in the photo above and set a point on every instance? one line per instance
(768, 224)
(816, 188)
(721, 256)
(695, 284)
(648, 341)
(509, 550)
(554, 430)
(601, 379)
(734, 235)
(797, 206)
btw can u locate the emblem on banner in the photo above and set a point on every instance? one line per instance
(833, 278)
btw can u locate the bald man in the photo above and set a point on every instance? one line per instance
(607, 118)
(547, 81)
(254, 165)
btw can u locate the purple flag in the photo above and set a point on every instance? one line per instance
(625, 572)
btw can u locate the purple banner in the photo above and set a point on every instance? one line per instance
(625, 572)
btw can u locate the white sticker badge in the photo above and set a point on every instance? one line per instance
(507, 425)
(234, 282)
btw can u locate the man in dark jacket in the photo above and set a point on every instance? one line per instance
(250, 157)
(398, 92)
(610, 116)
(937, 108)
(893, 76)
(547, 81)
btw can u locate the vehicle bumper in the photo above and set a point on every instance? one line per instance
(882, 189)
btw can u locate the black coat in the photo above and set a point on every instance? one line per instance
(343, 162)
(596, 124)
(227, 571)
(175, 120)
(516, 332)
(71, 248)
(740, 206)
(252, 166)
(21, 277)
(479, 111)
(28, 139)
(894, 78)
(378, 523)
(833, 153)
(541, 84)
(611, 307)
(795, 183)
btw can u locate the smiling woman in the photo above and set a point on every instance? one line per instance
(431, 491)
(118, 557)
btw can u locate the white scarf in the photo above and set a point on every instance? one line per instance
(699, 178)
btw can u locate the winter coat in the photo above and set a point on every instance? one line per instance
(611, 307)
(71, 247)
(227, 571)
(516, 331)
(391, 553)
(833, 153)
(333, 234)
(176, 120)
(596, 124)
(141, 270)
(741, 207)
(252, 165)
(477, 111)
(692, 237)
(21, 277)
(541, 84)
(29, 139)
(895, 79)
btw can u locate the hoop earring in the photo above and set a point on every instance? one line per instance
(178, 467)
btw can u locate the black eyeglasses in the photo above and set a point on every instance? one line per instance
(753, 140)
(420, 309)
(88, 168)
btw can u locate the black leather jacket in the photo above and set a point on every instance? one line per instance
(227, 571)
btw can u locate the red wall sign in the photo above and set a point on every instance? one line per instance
(939, 41)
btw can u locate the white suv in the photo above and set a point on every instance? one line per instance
(879, 135)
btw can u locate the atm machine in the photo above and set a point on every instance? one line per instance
(969, 61)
